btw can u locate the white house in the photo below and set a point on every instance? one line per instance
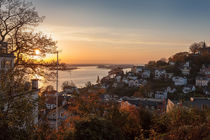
(125, 80)
(185, 70)
(205, 71)
(169, 75)
(137, 69)
(171, 63)
(118, 78)
(188, 89)
(159, 73)
(132, 77)
(170, 90)
(187, 64)
(201, 81)
(6, 59)
(146, 74)
(133, 83)
(179, 81)
(161, 95)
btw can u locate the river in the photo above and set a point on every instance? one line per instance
(80, 76)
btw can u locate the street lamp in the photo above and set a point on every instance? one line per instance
(57, 92)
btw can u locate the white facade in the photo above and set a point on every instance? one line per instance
(179, 81)
(201, 81)
(146, 74)
(185, 70)
(159, 73)
(6, 59)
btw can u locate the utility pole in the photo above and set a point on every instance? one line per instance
(57, 93)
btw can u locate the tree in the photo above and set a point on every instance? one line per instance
(179, 57)
(18, 20)
(97, 129)
(194, 48)
(68, 85)
(16, 108)
(88, 84)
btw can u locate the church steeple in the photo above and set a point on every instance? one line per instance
(204, 44)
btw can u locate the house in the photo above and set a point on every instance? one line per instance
(160, 73)
(133, 83)
(198, 102)
(170, 90)
(148, 103)
(201, 81)
(132, 77)
(188, 89)
(125, 80)
(206, 90)
(6, 58)
(169, 75)
(185, 69)
(205, 71)
(179, 81)
(137, 69)
(204, 50)
(171, 63)
(146, 74)
(161, 95)
(118, 78)
(63, 114)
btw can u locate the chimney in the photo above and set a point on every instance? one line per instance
(35, 85)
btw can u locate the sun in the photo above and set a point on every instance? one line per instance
(37, 52)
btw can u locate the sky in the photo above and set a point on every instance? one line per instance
(123, 31)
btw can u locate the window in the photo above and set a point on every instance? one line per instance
(8, 64)
(3, 64)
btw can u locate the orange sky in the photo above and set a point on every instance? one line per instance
(125, 31)
(109, 46)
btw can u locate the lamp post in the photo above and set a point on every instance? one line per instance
(57, 93)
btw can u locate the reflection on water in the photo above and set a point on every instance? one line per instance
(80, 76)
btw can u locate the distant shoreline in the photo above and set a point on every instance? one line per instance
(104, 66)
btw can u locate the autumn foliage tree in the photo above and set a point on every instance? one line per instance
(18, 21)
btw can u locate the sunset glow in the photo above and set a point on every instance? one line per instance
(37, 52)
(123, 31)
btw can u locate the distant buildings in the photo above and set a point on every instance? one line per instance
(137, 69)
(146, 74)
(158, 105)
(204, 50)
(198, 102)
(201, 81)
(185, 69)
(179, 81)
(160, 73)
